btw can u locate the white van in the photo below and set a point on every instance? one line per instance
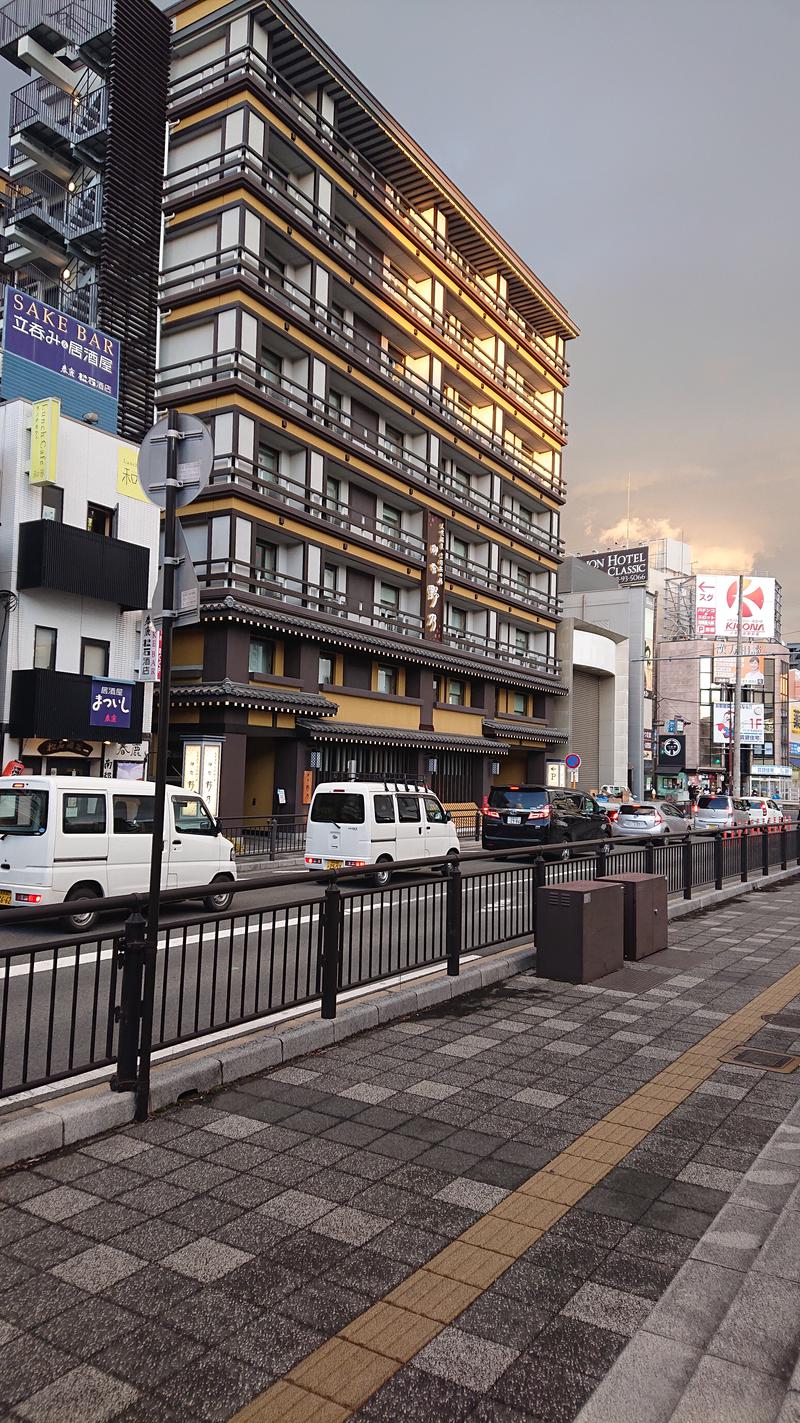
(86, 837)
(359, 823)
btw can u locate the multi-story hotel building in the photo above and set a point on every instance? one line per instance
(384, 379)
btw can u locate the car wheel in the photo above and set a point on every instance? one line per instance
(81, 922)
(381, 878)
(221, 899)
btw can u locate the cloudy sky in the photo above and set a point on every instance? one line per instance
(652, 184)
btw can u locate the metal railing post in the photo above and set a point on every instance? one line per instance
(650, 858)
(765, 851)
(477, 825)
(331, 944)
(687, 868)
(273, 838)
(539, 881)
(452, 932)
(745, 855)
(718, 865)
(130, 951)
(600, 860)
(784, 848)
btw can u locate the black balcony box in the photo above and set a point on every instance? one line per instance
(71, 560)
(56, 704)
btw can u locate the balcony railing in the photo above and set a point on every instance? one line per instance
(80, 302)
(73, 22)
(375, 270)
(291, 592)
(466, 570)
(232, 366)
(243, 264)
(77, 118)
(244, 65)
(85, 211)
(39, 197)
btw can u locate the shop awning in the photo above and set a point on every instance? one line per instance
(524, 731)
(398, 736)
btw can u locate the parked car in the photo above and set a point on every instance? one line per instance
(65, 838)
(761, 811)
(359, 823)
(719, 812)
(516, 816)
(655, 817)
(613, 793)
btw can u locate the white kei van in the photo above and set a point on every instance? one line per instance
(355, 823)
(86, 837)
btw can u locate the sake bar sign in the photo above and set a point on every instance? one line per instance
(47, 353)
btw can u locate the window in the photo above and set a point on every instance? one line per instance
(99, 520)
(436, 815)
(519, 704)
(333, 492)
(94, 657)
(133, 814)
(335, 405)
(459, 549)
(330, 578)
(391, 519)
(52, 503)
(393, 440)
(265, 559)
(387, 681)
(192, 816)
(275, 268)
(384, 809)
(457, 619)
(460, 479)
(260, 659)
(455, 694)
(338, 808)
(338, 317)
(326, 670)
(84, 814)
(44, 648)
(390, 597)
(271, 366)
(522, 578)
(408, 809)
(268, 463)
(520, 640)
(395, 359)
(23, 812)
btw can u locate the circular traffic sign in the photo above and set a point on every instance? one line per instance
(195, 460)
(572, 761)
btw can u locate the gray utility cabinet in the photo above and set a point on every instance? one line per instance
(645, 915)
(579, 930)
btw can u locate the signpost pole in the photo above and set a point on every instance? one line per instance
(737, 697)
(154, 894)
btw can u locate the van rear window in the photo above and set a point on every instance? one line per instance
(338, 808)
(712, 802)
(384, 809)
(23, 812)
(84, 814)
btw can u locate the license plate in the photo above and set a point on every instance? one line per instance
(514, 820)
(5, 896)
(333, 864)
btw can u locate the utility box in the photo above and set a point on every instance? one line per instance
(579, 930)
(645, 916)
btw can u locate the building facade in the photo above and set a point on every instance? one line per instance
(596, 668)
(78, 561)
(83, 205)
(384, 380)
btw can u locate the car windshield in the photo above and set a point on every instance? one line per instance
(516, 798)
(712, 802)
(338, 808)
(637, 810)
(23, 812)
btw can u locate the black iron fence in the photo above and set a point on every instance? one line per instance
(273, 836)
(72, 1004)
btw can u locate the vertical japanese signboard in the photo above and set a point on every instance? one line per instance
(44, 441)
(433, 590)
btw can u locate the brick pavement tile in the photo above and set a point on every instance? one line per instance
(16, 1223)
(29, 1364)
(152, 1291)
(322, 1153)
(679, 1220)
(87, 1327)
(761, 1329)
(539, 1394)
(434, 1296)
(659, 1245)
(608, 1307)
(247, 1191)
(465, 1359)
(725, 1390)
(153, 1240)
(382, 1198)
(195, 1144)
(474, 1195)
(28, 1304)
(297, 1207)
(203, 1215)
(498, 1173)
(43, 1248)
(354, 1227)
(397, 1333)
(206, 1260)
(154, 1197)
(627, 1391)
(286, 1403)
(696, 1198)
(147, 1355)
(106, 1220)
(198, 1177)
(634, 1275)
(529, 1210)
(507, 1237)
(780, 1255)
(439, 1216)
(469, 1264)
(97, 1268)
(308, 1253)
(13, 1272)
(275, 1343)
(412, 1395)
(65, 1168)
(344, 1372)
(21, 1186)
(214, 1389)
(154, 1161)
(109, 1181)
(324, 1306)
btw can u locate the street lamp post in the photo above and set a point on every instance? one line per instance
(737, 696)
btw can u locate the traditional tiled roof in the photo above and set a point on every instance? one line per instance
(243, 694)
(400, 736)
(525, 731)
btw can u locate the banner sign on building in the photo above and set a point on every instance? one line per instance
(44, 441)
(725, 665)
(716, 606)
(46, 352)
(110, 704)
(433, 610)
(752, 723)
(149, 651)
(671, 753)
(630, 566)
(128, 473)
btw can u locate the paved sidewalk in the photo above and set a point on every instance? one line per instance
(465, 1215)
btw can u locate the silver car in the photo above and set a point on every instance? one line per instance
(655, 817)
(761, 811)
(719, 812)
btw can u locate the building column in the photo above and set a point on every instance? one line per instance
(232, 775)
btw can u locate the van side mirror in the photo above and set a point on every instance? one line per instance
(448, 815)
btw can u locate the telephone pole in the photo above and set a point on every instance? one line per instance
(737, 697)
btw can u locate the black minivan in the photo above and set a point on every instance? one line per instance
(516, 816)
